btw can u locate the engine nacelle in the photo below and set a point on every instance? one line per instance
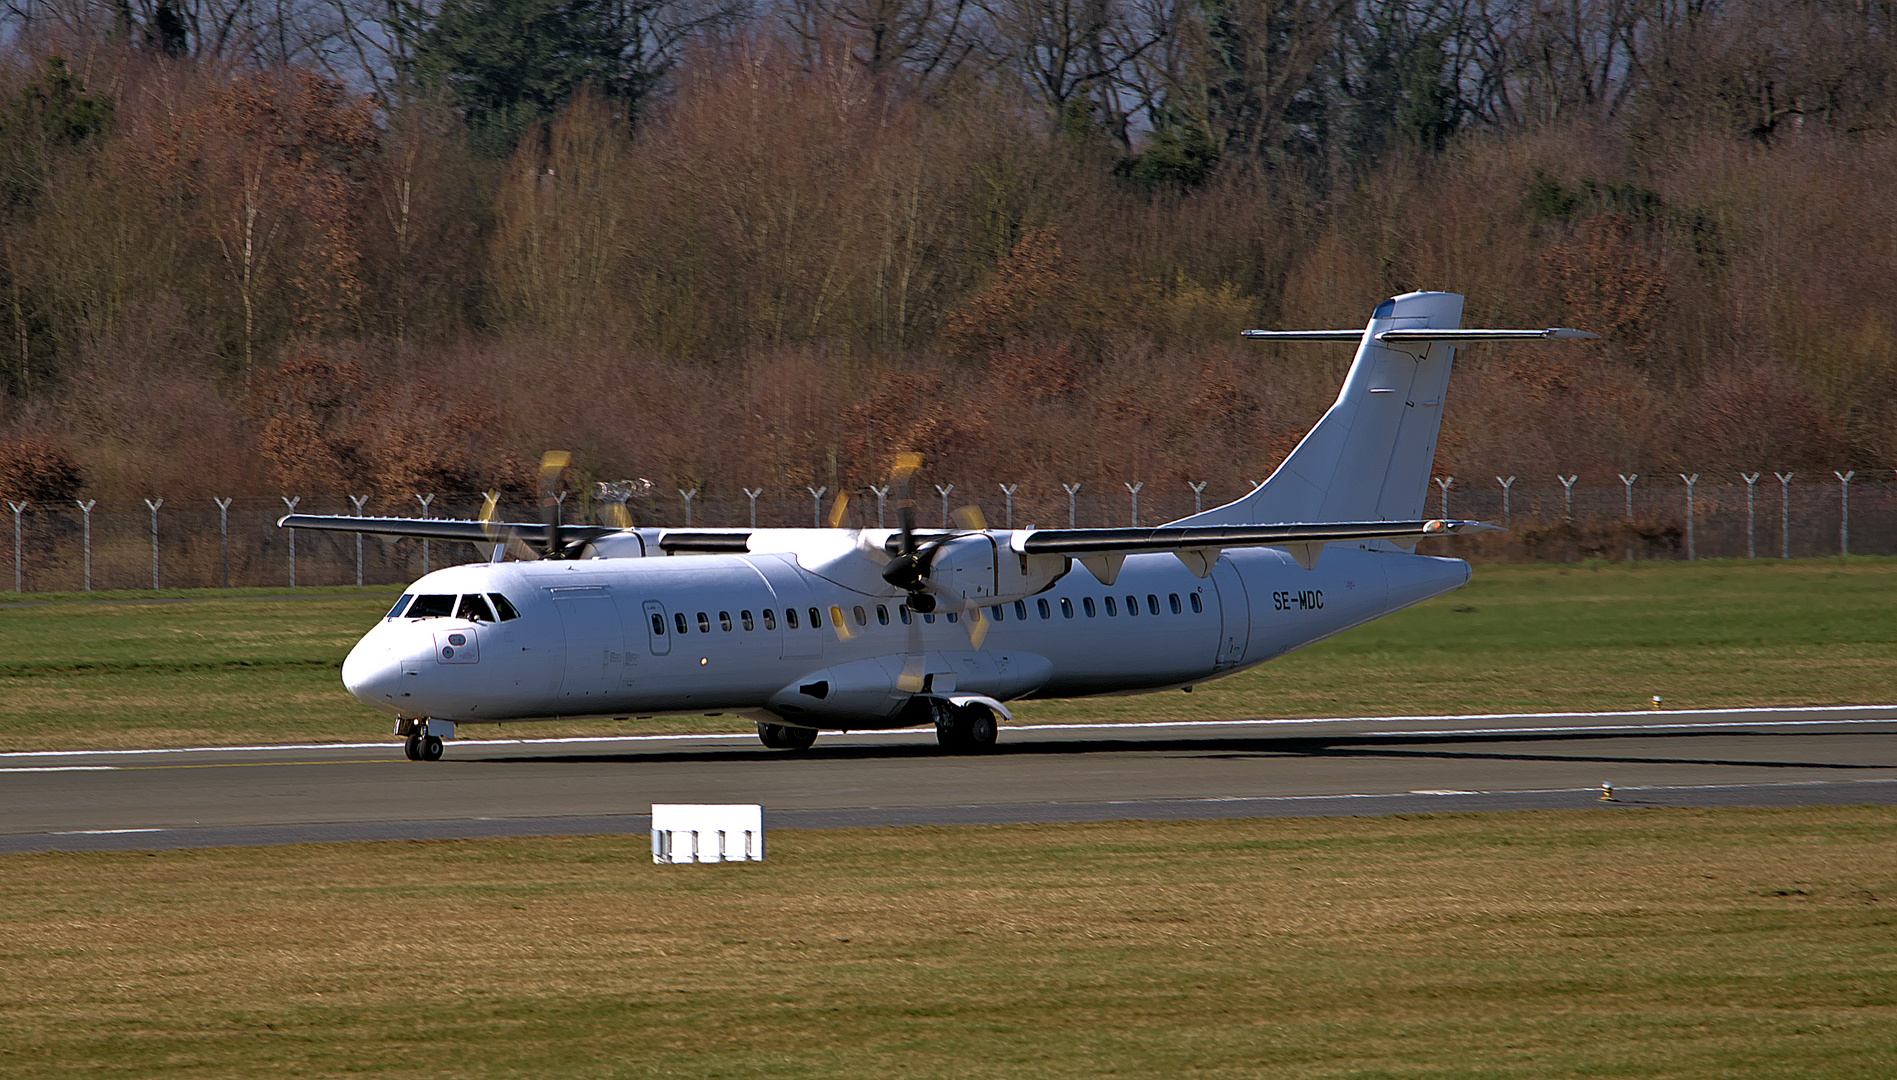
(972, 570)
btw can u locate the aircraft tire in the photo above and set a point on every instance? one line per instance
(786, 737)
(412, 748)
(970, 729)
(430, 748)
(982, 728)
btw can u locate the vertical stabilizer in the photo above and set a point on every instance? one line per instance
(1369, 458)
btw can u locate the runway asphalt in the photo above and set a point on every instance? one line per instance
(151, 799)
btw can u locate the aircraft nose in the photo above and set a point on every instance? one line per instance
(373, 673)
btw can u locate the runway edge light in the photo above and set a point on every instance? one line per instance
(707, 832)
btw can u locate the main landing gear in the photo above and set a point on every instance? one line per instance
(785, 737)
(966, 729)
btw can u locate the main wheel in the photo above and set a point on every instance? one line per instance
(982, 728)
(430, 748)
(412, 747)
(786, 737)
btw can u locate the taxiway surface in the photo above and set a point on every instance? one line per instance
(264, 795)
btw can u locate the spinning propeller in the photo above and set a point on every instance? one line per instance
(553, 464)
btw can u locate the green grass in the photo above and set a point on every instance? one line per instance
(1608, 943)
(252, 667)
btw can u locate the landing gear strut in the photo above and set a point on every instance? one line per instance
(966, 729)
(786, 737)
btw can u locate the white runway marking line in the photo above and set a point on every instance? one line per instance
(1886, 714)
(63, 768)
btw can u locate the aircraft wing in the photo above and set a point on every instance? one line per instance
(572, 537)
(1102, 550)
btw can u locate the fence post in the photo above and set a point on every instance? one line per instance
(1508, 518)
(816, 504)
(688, 496)
(224, 535)
(944, 492)
(154, 540)
(291, 503)
(1844, 520)
(882, 500)
(1627, 480)
(1135, 489)
(1443, 482)
(426, 563)
(19, 575)
(1785, 514)
(1690, 481)
(359, 501)
(1567, 482)
(1751, 548)
(1198, 493)
(1007, 492)
(1071, 489)
(752, 495)
(86, 507)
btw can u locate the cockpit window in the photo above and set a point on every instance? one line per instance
(431, 606)
(474, 609)
(399, 605)
(502, 608)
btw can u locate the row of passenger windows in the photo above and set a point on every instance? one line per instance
(998, 612)
(475, 607)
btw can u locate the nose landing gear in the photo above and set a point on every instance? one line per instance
(786, 737)
(423, 738)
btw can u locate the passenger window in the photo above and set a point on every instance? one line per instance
(1152, 603)
(953, 617)
(745, 618)
(658, 624)
(882, 614)
(431, 606)
(770, 619)
(1066, 608)
(474, 609)
(502, 608)
(1197, 606)
(903, 610)
(1086, 604)
(1112, 610)
(1021, 610)
(678, 617)
(1042, 605)
(862, 617)
(1174, 601)
(724, 621)
(816, 619)
(929, 618)
(996, 612)
(399, 605)
(1132, 605)
(704, 623)
(790, 618)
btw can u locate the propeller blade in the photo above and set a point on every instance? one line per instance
(977, 628)
(509, 539)
(915, 666)
(970, 518)
(552, 464)
(839, 510)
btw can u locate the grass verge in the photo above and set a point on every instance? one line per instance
(1611, 943)
(133, 669)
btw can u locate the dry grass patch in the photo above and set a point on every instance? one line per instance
(1681, 943)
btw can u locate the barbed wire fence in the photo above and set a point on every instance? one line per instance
(233, 542)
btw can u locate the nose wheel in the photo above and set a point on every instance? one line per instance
(420, 747)
(967, 729)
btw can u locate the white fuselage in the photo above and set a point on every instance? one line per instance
(689, 634)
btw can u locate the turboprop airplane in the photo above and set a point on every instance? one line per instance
(806, 630)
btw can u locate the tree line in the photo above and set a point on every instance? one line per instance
(334, 245)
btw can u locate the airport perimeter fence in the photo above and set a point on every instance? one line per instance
(198, 543)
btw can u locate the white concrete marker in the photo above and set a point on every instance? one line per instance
(707, 832)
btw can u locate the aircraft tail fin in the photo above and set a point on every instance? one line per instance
(1369, 457)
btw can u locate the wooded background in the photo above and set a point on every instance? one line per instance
(384, 248)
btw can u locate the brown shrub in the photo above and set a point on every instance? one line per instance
(37, 470)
